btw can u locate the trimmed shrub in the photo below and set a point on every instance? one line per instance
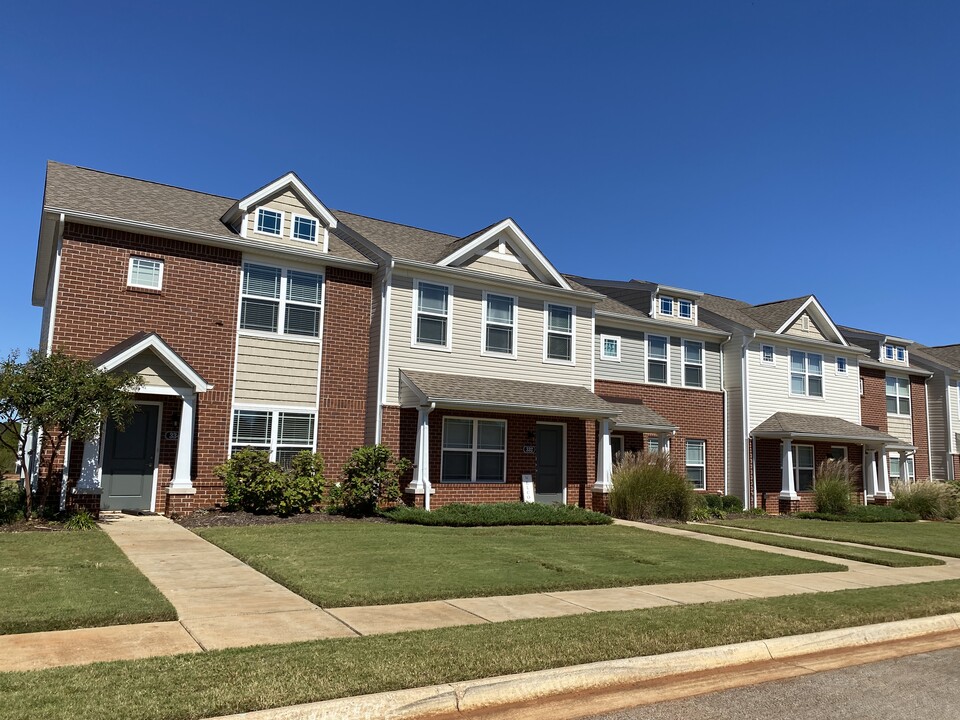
(647, 486)
(12, 502)
(724, 503)
(463, 515)
(930, 499)
(863, 513)
(252, 483)
(369, 481)
(834, 486)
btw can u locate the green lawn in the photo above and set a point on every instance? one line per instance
(343, 564)
(869, 555)
(232, 681)
(937, 538)
(64, 580)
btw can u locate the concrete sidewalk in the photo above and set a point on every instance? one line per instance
(221, 602)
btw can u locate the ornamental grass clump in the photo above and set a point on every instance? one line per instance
(930, 499)
(647, 486)
(834, 489)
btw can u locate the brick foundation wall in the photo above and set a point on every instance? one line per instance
(698, 415)
(918, 415)
(96, 310)
(873, 400)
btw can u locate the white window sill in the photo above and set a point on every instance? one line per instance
(280, 336)
(433, 348)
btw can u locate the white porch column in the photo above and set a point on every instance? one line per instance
(664, 439)
(883, 482)
(604, 481)
(421, 459)
(871, 488)
(182, 483)
(788, 490)
(904, 477)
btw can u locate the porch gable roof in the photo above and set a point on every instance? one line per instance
(797, 426)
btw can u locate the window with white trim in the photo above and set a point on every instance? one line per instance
(666, 306)
(145, 273)
(657, 348)
(653, 444)
(838, 453)
(841, 365)
(692, 363)
(696, 463)
(303, 228)
(473, 450)
(803, 467)
(269, 222)
(616, 446)
(893, 461)
(559, 332)
(271, 294)
(895, 352)
(500, 323)
(280, 433)
(685, 308)
(432, 321)
(610, 347)
(767, 355)
(806, 374)
(898, 396)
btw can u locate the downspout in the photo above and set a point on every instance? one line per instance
(385, 297)
(56, 284)
(749, 476)
(726, 433)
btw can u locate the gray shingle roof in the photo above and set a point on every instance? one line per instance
(637, 416)
(773, 315)
(784, 424)
(401, 241)
(879, 365)
(69, 187)
(516, 395)
(948, 355)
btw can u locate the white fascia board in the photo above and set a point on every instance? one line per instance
(801, 341)
(531, 250)
(281, 183)
(519, 408)
(46, 246)
(813, 302)
(154, 343)
(676, 329)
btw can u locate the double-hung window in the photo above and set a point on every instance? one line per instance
(666, 306)
(432, 322)
(697, 464)
(767, 354)
(685, 309)
(841, 365)
(271, 294)
(304, 228)
(610, 347)
(896, 471)
(898, 396)
(803, 468)
(559, 332)
(806, 374)
(145, 273)
(474, 450)
(657, 359)
(280, 433)
(269, 222)
(500, 324)
(692, 363)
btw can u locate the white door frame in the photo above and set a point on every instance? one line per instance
(156, 453)
(564, 426)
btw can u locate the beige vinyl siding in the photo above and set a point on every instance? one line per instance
(938, 405)
(506, 264)
(288, 203)
(154, 372)
(901, 427)
(813, 331)
(733, 382)
(276, 372)
(465, 357)
(770, 387)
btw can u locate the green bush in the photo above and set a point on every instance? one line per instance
(646, 486)
(863, 513)
(81, 520)
(252, 483)
(930, 499)
(12, 502)
(834, 487)
(462, 515)
(369, 481)
(723, 503)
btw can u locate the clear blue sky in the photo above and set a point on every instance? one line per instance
(761, 150)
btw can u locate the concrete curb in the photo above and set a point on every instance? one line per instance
(489, 693)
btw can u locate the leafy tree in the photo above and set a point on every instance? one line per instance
(58, 395)
(8, 457)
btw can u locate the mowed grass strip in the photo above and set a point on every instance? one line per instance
(345, 564)
(66, 580)
(821, 547)
(233, 681)
(938, 538)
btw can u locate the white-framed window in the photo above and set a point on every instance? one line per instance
(666, 306)
(806, 374)
(610, 347)
(499, 324)
(145, 273)
(303, 228)
(901, 354)
(898, 396)
(803, 467)
(282, 433)
(270, 222)
(696, 462)
(653, 444)
(895, 352)
(838, 452)
(685, 308)
(841, 366)
(692, 363)
(558, 332)
(657, 350)
(473, 450)
(431, 315)
(893, 461)
(767, 354)
(280, 300)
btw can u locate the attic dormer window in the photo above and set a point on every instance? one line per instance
(686, 309)
(304, 228)
(269, 222)
(666, 306)
(897, 352)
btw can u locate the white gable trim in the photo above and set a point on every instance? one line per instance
(543, 266)
(281, 183)
(812, 302)
(154, 343)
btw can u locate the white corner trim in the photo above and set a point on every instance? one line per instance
(289, 180)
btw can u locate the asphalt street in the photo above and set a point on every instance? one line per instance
(916, 687)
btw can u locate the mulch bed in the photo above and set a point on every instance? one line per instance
(32, 526)
(239, 518)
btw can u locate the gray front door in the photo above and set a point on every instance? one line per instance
(128, 461)
(550, 452)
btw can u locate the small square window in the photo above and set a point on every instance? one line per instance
(145, 273)
(686, 309)
(666, 306)
(304, 228)
(269, 222)
(888, 352)
(841, 365)
(610, 347)
(768, 355)
(901, 354)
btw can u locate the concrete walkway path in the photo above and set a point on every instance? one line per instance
(222, 602)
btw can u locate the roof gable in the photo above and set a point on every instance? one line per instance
(291, 182)
(152, 343)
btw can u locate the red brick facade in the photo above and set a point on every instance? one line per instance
(873, 399)
(698, 415)
(918, 414)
